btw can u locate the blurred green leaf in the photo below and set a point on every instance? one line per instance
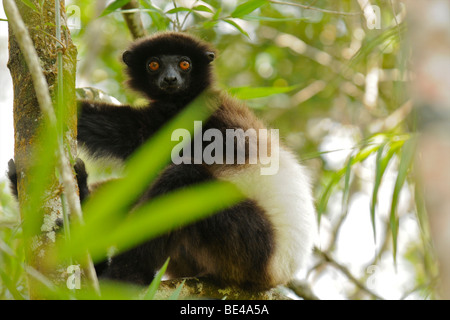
(337, 176)
(382, 162)
(178, 9)
(158, 17)
(346, 190)
(176, 293)
(108, 207)
(152, 219)
(238, 27)
(247, 7)
(153, 287)
(31, 5)
(113, 6)
(202, 8)
(246, 93)
(407, 156)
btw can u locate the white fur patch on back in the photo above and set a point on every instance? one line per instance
(287, 200)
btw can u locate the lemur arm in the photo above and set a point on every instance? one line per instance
(110, 130)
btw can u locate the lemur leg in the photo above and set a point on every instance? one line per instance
(81, 175)
(80, 171)
(12, 176)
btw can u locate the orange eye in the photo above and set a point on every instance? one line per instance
(153, 65)
(184, 65)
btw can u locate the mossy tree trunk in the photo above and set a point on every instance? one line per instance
(40, 224)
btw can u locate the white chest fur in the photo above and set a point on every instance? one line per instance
(287, 200)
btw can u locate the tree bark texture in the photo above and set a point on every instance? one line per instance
(28, 119)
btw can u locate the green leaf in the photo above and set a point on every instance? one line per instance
(407, 156)
(178, 9)
(359, 157)
(31, 5)
(114, 6)
(247, 7)
(159, 18)
(153, 287)
(379, 171)
(323, 201)
(108, 207)
(346, 191)
(202, 8)
(238, 27)
(381, 165)
(176, 294)
(246, 93)
(159, 216)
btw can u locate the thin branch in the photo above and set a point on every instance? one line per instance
(303, 290)
(63, 45)
(133, 20)
(187, 15)
(177, 25)
(347, 273)
(203, 288)
(315, 8)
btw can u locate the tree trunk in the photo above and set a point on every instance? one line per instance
(40, 224)
(430, 34)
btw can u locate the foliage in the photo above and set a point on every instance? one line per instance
(336, 89)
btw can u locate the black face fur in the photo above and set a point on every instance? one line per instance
(169, 81)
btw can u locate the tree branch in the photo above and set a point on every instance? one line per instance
(347, 273)
(204, 288)
(133, 20)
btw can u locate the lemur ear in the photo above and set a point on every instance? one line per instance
(126, 57)
(210, 55)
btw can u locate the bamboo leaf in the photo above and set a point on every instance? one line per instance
(153, 287)
(346, 191)
(406, 160)
(238, 27)
(176, 294)
(247, 7)
(323, 201)
(107, 208)
(202, 8)
(359, 157)
(159, 18)
(378, 174)
(114, 6)
(246, 93)
(31, 5)
(159, 216)
(381, 165)
(178, 9)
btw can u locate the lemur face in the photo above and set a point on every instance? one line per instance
(169, 67)
(170, 73)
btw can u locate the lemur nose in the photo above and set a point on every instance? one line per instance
(170, 80)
